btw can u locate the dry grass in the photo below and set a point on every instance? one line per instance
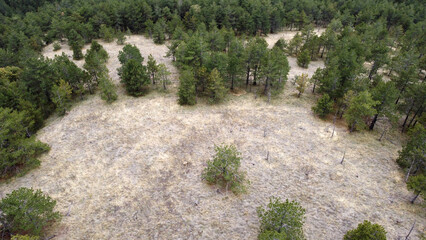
(132, 170)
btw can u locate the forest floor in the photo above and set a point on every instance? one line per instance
(132, 169)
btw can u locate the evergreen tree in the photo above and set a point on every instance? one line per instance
(215, 88)
(135, 77)
(361, 106)
(17, 150)
(223, 169)
(158, 33)
(152, 68)
(129, 52)
(121, 37)
(418, 185)
(385, 93)
(108, 91)
(274, 71)
(295, 45)
(76, 42)
(411, 158)
(186, 92)
(106, 33)
(163, 75)
(61, 96)
(303, 59)
(96, 58)
(324, 106)
(366, 231)
(26, 210)
(235, 61)
(301, 83)
(281, 220)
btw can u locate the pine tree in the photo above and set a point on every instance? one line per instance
(223, 169)
(158, 33)
(303, 59)
(215, 87)
(152, 68)
(186, 92)
(163, 75)
(135, 77)
(121, 37)
(418, 185)
(61, 96)
(17, 150)
(108, 91)
(29, 211)
(281, 220)
(76, 42)
(106, 33)
(361, 106)
(129, 52)
(366, 231)
(385, 93)
(301, 83)
(235, 61)
(323, 106)
(411, 157)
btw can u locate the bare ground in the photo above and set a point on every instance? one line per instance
(132, 170)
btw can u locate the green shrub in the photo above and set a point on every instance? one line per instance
(27, 211)
(56, 46)
(366, 231)
(281, 220)
(324, 106)
(108, 91)
(223, 169)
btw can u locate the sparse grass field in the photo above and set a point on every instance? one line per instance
(132, 170)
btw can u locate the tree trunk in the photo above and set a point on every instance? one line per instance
(409, 171)
(352, 127)
(265, 91)
(315, 84)
(415, 197)
(232, 82)
(248, 75)
(373, 122)
(406, 118)
(408, 235)
(417, 113)
(322, 53)
(383, 133)
(254, 75)
(372, 71)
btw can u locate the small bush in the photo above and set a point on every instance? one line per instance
(324, 106)
(27, 211)
(366, 231)
(223, 169)
(108, 91)
(56, 46)
(281, 220)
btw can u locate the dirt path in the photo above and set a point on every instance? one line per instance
(132, 170)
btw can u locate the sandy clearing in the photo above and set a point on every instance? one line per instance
(131, 170)
(145, 45)
(271, 39)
